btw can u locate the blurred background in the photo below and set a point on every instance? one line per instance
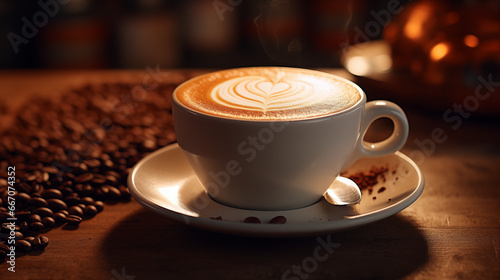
(179, 33)
(442, 49)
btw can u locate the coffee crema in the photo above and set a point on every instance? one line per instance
(267, 93)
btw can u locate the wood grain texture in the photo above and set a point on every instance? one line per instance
(451, 232)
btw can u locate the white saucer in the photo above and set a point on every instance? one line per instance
(165, 183)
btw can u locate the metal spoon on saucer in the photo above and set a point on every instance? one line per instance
(343, 192)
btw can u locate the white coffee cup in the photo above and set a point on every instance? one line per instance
(278, 164)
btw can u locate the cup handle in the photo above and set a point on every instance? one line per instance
(374, 110)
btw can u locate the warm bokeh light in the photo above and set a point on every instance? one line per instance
(471, 41)
(439, 51)
(383, 62)
(358, 65)
(451, 18)
(415, 25)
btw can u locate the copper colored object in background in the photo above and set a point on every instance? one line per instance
(451, 49)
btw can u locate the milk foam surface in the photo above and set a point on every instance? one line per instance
(267, 93)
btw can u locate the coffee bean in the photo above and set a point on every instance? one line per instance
(252, 220)
(278, 220)
(45, 177)
(35, 218)
(24, 187)
(30, 178)
(50, 169)
(18, 235)
(48, 222)
(30, 239)
(81, 205)
(87, 190)
(101, 193)
(4, 216)
(111, 180)
(23, 215)
(6, 227)
(56, 204)
(98, 179)
(40, 242)
(73, 219)
(65, 191)
(35, 194)
(72, 199)
(81, 168)
(114, 193)
(23, 246)
(76, 211)
(87, 200)
(52, 193)
(4, 248)
(92, 163)
(36, 189)
(60, 217)
(43, 212)
(21, 199)
(90, 210)
(99, 205)
(42, 136)
(85, 177)
(124, 192)
(36, 226)
(38, 202)
(23, 226)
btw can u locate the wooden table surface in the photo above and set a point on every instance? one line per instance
(451, 232)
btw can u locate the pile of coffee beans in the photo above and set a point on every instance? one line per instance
(63, 158)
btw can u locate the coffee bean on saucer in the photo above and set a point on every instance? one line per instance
(219, 218)
(278, 220)
(73, 219)
(252, 220)
(40, 242)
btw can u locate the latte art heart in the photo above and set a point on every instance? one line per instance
(267, 93)
(261, 94)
